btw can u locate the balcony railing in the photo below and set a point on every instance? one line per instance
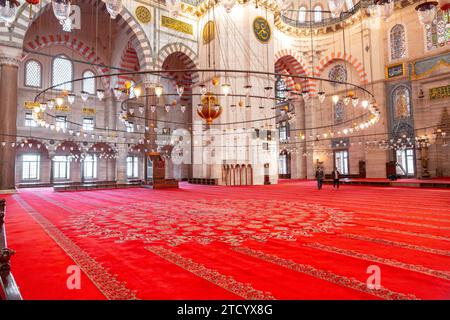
(8, 286)
(329, 21)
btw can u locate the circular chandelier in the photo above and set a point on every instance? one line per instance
(210, 108)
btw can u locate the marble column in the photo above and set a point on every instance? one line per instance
(8, 127)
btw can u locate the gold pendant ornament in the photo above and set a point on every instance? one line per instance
(209, 109)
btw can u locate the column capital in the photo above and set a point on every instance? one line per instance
(9, 61)
(10, 56)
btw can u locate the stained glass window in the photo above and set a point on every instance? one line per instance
(339, 112)
(317, 14)
(438, 34)
(33, 73)
(89, 84)
(398, 42)
(401, 102)
(280, 90)
(337, 73)
(62, 71)
(302, 15)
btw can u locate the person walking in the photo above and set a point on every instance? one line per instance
(319, 177)
(336, 176)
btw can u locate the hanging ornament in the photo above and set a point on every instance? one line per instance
(84, 96)
(336, 7)
(8, 11)
(268, 91)
(209, 109)
(51, 104)
(346, 100)
(385, 8)
(71, 98)
(59, 101)
(153, 108)
(305, 95)
(180, 89)
(321, 96)
(335, 98)
(61, 9)
(226, 88)
(203, 89)
(137, 92)
(114, 7)
(355, 101)
(167, 107)
(228, 4)
(100, 94)
(31, 4)
(159, 90)
(117, 93)
(426, 13)
(365, 104)
(141, 109)
(183, 108)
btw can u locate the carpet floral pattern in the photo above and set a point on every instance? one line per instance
(286, 241)
(175, 222)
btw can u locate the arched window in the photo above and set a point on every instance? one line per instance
(317, 13)
(302, 15)
(401, 102)
(349, 4)
(62, 71)
(337, 73)
(438, 34)
(33, 74)
(280, 90)
(398, 42)
(89, 84)
(339, 109)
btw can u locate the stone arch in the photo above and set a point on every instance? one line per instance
(333, 56)
(32, 146)
(125, 19)
(189, 56)
(72, 43)
(290, 61)
(184, 60)
(128, 61)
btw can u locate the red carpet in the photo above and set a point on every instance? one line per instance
(286, 241)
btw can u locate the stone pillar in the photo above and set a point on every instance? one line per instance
(110, 113)
(121, 163)
(9, 66)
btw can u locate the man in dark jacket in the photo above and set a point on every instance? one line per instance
(336, 175)
(319, 177)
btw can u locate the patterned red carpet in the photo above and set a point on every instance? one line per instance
(286, 241)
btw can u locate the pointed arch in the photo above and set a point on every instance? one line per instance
(333, 56)
(73, 43)
(22, 23)
(190, 58)
(129, 60)
(288, 61)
